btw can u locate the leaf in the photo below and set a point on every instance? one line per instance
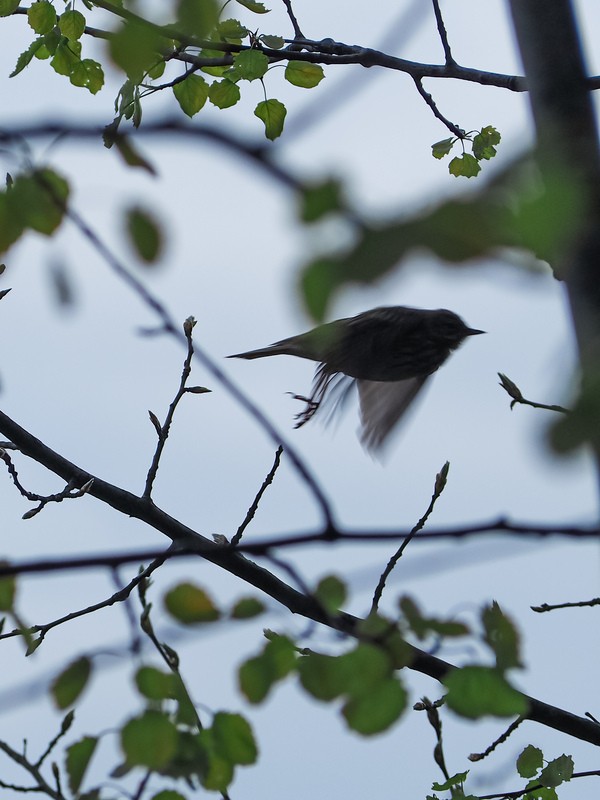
(376, 710)
(443, 147)
(131, 155)
(557, 771)
(272, 42)
(331, 593)
(8, 590)
(304, 74)
(8, 7)
(454, 780)
(502, 636)
(71, 24)
(476, 692)
(466, 166)
(198, 17)
(223, 94)
(232, 30)
(166, 794)
(191, 94)
(272, 113)
(319, 199)
(250, 65)
(234, 739)
(71, 682)
(66, 56)
(149, 740)
(41, 16)
(38, 200)
(77, 760)
(189, 604)
(25, 58)
(89, 74)
(323, 676)
(247, 608)
(530, 761)
(135, 48)
(145, 234)
(484, 141)
(258, 675)
(155, 684)
(251, 5)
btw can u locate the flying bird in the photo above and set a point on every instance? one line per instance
(388, 352)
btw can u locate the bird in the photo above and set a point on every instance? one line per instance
(388, 352)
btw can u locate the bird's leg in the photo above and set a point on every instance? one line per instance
(308, 412)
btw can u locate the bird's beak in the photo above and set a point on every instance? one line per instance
(474, 332)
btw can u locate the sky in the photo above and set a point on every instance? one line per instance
(82, 378)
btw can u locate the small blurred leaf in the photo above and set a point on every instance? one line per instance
(250, 65)
(135, 48)
(502, 636)
(272, 113)
(258, 8)
(247, 608)
(475, 692)
(149, 740)
(145, 234)
(38, 200)
(198, 17)
(304, 74)
(318, 200)
(331, 593)
(131, 155)
(257, 675)
(71, 682)
(376, 710)
(189, 604)
(155, 684)
(8, 590)
(78, 757)
(234, 739)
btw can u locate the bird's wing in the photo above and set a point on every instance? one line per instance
(382, 403)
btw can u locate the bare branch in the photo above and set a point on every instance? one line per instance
(235, 540)
(442, 32)
(454, 129)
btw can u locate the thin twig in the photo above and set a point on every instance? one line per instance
(579, 604)
(454, 129)
(439, 20)
(500, 740)
(511, 388)
(253, 508)
(290, 11)
(440, 483)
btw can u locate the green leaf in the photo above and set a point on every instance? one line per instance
(484, 141)
(191, 94)
(8, 7)
(198, 17)
(145, 234)
(331, 593)
(250, 65)
(216, 71)
(38, 200)
(454, 780)
(376, 710)
(189, 604)
(71, 682)
(475, 692)
(167, 794)
(443, 147)
(77, 760)
(272, 42)
(319, 199)
(557, 771)
(223, 94)
(324, 677)
(155, 684)
(232, 30)
(258, 675)
(502, 636)
(89, 74)
(272, 113)
(66, 56)
(136, 48)
(25, 58)
(530, 761)
(304, 74)
(130, 154)
(465, 166)
(71, 24)
(251, 5)
(149, 740)
(234, 739)
(247, 608)
(41, 16)
(533, 791)
(422, 626)
(8, 587)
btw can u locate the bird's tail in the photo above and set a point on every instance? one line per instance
(277, 349)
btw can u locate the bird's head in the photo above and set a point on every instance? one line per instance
(448, 327)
